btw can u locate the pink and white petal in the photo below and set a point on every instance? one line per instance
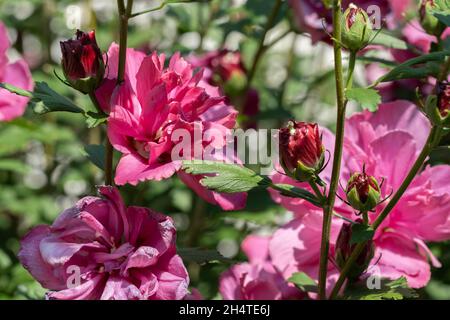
(30, 257)
(143, 257)
(118, 288)
(89, 290)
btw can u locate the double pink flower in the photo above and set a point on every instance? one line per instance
(150, 108)
(101, 249)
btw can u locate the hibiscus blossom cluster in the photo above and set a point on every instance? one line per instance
(165, 115)
(422, 215)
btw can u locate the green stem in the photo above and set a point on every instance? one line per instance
(351, 68)
(365, 216)
(316, 190)
(261, 48)
(108, 147)
(124, 15)
(432, 141)
(341, 106)
(162, 5)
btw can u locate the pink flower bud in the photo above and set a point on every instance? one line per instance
(301, 149)
(82, 62)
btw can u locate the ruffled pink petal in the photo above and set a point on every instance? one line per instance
(173, 279)
(400, 144)
(133, 170)
(256, 248)
(88, 290)
(30, 257)
(397, 258)
(118, 288)
(230, 282)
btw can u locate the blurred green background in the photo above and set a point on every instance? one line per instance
(43, 165)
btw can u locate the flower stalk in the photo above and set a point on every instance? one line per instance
(341, 106)
(432, 141)
(261, 47)
(124, 16)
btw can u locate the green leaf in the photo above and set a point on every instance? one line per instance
(387, 40)
(303, 282)
(389, 290)
(44, 99)
(361, 233)
(94, 119)
(47, 100)
(407, 71)
(368, 98)
(228, 178)
(96, 154)
(294, 192)
(201, 256)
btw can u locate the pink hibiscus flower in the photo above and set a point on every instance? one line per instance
(256, 279)
(101, 249)
(18, 74)
(150, 110)
(387, 142)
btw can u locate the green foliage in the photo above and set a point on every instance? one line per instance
(368, 98)
(409, 69)
(229, 178)
(389, 290)
(361, 233)
(302, 281)
(96, 154)
(442, 11)
(44, 99)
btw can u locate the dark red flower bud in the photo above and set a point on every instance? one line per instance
(82, 62)
(363, 191)
(344, 249)
(301, 150)
(443, 94)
